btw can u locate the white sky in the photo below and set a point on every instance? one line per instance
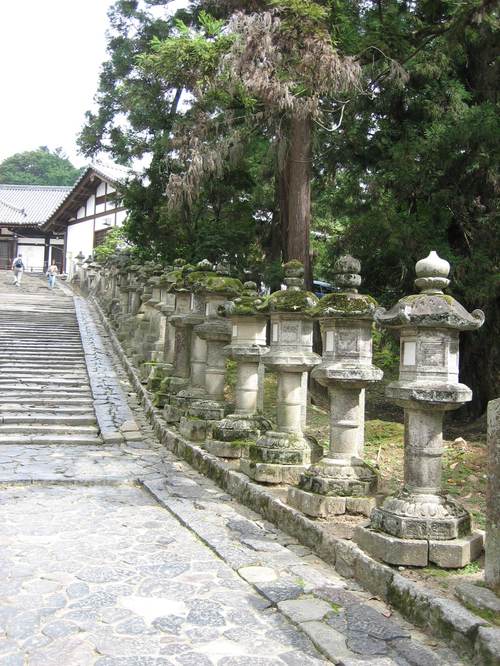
(50, 55)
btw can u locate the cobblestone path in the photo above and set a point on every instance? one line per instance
(122, 555)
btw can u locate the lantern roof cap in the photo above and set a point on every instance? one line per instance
(294, 298)
(431, 308)
(244, 305)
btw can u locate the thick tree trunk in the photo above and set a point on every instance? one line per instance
(295, 195)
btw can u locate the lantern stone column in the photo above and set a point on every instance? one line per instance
(232, 436)
(216, 288)
(342, 482)
(281, 455)
(420, 524)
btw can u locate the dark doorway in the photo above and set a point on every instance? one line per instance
(6, 250)
(57, 256)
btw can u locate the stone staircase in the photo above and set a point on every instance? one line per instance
(45, 395)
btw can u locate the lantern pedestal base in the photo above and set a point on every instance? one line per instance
(184, 398)
(271, 473)
(241, 426)
(233, 436)
(208, 410)
(154, 374)
(196, 430)
(173, 385)
(335, 486)
(280, 457)
(171, 414)
(235, 449)
(324, 506)
(421, 516)
(450, 554)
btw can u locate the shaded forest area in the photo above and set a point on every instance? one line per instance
(294, 129)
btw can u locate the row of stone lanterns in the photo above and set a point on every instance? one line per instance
(416, 526)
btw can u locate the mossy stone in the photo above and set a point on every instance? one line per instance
(344, 304)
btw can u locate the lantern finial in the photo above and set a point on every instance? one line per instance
(432, 274)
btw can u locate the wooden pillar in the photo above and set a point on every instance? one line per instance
(46, 253)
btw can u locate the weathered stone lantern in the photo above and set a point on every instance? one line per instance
(181, 320)
(342, 482)
(198, 355)
(232, 436)
(163, 357)
(161, 354)
(151, 321)
(420, 524)
(214, 289)
(281, 455)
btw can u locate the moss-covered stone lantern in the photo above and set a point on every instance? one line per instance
(232, 436)
(182, 322)
(198, 357)
(342, 482)
(165, 307)
(420, 524)
(214, 288)
(281, 455)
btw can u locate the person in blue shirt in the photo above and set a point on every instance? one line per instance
(18, 268)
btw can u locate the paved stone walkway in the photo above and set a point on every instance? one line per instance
(122, 555)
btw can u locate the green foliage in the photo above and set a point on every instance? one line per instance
(301, 9)
(115, 240)
(406, 163)
(38, 167)
(188, 57)
(385, 351)
(415, 168)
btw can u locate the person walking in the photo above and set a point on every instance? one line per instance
(51, 274)
(18, 268)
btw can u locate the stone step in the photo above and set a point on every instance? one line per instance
(42, 374)
(78, 363)
(46, 429)
(40, 349)
(45, 419)
(43, 408)
(21, 440)
(29, 334)
(33, 328)
(61, 395)
(39, 399)
(34, 346)
(26, 336)
(42, 380)
(42, 354)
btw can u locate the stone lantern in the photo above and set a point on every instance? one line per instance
(181, 320)
(342, 482)
(420, 524)
(214, 289)
(165, 307)
(281, 455)
(198, 355)
(162, 361)
(232, 436)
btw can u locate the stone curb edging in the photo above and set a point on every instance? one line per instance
(112, 411)
(442, 617)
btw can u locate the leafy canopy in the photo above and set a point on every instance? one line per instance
(38, 167)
